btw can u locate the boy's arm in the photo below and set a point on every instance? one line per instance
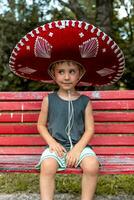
(41, 126)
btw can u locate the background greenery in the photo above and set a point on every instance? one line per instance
(17, 17)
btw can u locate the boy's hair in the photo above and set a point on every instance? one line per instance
(69, 62)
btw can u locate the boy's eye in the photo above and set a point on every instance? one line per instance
(72, 71)
(61, 72)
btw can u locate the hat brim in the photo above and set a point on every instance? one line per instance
(73, 40)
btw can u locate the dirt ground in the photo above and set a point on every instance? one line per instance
(24, 196)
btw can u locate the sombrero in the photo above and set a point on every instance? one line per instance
(71, 40)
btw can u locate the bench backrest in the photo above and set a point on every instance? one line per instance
(113, 114)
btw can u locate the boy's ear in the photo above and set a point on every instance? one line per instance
(51, 73)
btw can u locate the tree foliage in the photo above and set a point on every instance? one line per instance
(19, 17)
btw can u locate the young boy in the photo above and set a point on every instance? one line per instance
(67, 148)
(67, 48)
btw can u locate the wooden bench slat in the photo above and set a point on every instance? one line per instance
(116, 94)
(100, 128)
(114, 116)
(110, 164)
(21, 106)
(18, 129)
(21, 150)
(34, 159)
(98, 117)
(97, 105)
(113, 105)
(38, 150)
(113, 140)
(22, 95)
(19, 117)
(109, 128)
(126, 94)
(97, 140)
(117, 169)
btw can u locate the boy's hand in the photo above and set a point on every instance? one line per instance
(57, 148)
(72, 157)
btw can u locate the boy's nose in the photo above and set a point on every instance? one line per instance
(66, 76)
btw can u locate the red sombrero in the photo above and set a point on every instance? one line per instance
(68, 40)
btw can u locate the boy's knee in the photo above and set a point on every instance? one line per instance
(90, 166)
(49, 167)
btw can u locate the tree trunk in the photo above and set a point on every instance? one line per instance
(104, 13)
(75, 7)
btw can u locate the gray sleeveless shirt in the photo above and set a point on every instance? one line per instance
(58, 118)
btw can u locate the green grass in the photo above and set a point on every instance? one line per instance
(108, 184)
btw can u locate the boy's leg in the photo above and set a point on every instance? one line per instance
(47, 178)
(90, 167)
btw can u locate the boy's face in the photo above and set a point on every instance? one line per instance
(66, 75)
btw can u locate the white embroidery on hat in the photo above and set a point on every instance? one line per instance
(19, 65)
(14, 52)
(121, 59)
(73, 23)
(43, 27)
(50, 34)
(119, 54)
(81, 34)
(122, 63)
(31, 33)
(50, 25)
(114, 66)
(89, 48)
(26, 38)
(37, 30)
(104, 50)
(42, 48)
(80, 24)
(11, 66)
(114, 44)
(67, 22)
(105, 71)
(60, 26)
(63, 22)
(11, 62)
(86, 26)
(98, 32)
(93, 29)
(116, 50)
(116, 79)
(56, 23)
(17, 48)
(27, 70)
(21, 43)
(104, 36)
(121, 67)
(13, 58)
(109, 40)
(28, 48)
(120, 70)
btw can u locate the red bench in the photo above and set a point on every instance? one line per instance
(21, 145)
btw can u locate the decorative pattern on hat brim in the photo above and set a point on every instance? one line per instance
(79, 41)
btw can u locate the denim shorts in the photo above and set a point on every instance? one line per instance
(87, 151)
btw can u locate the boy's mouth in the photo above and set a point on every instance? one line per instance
(66, 83)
